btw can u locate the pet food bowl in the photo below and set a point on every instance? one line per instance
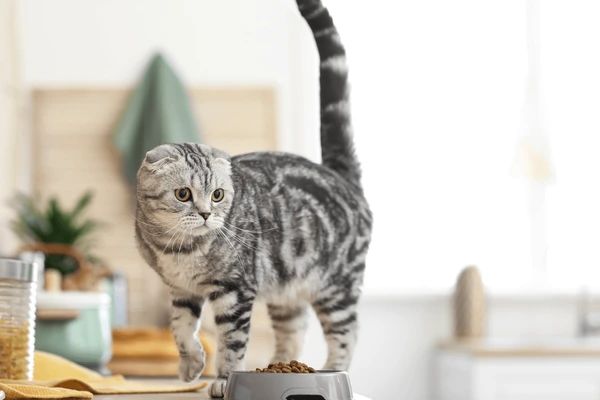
(321, 385)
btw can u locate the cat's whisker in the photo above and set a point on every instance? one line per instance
(229, 228)
(157, 232)
(172, 236)
(238, 236)
(242, 243)
(237, 256)
(229, 225)
(253, 232)
(145, 223)
(173, 227)
(177, 235)
(253, 235)
(184, 235)
(239, 239)
(255, 221)
(229, 240)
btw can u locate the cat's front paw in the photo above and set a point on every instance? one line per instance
(217, 388)
(191, 366)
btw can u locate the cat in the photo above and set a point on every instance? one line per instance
(264, 225)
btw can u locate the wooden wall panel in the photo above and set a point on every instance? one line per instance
(73, 153)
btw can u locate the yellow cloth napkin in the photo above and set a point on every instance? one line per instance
(57, 378)
(119, 385)
(49, 367)
(14, 390)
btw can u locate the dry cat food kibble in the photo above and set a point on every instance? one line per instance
(14, 348)
(292, 367)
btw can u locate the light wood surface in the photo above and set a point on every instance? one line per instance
(201, 395)
(73, 153)
(567, 347)
(56, 314)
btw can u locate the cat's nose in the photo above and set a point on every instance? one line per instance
(205, 215)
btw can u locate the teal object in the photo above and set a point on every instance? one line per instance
(158, 112)
(86, 339)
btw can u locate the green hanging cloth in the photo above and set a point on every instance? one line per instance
(158, 112)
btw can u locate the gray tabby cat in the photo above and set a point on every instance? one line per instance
(269, 225)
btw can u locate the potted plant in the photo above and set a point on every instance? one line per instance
(63, 235)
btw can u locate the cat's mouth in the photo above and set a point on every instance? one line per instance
(204, 227)
(201, 227)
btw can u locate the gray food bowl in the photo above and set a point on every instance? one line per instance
(321, 385)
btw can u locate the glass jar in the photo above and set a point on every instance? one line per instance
(17, 318)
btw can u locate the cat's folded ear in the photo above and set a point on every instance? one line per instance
(216, 153)
(159, 155)
(221, 159)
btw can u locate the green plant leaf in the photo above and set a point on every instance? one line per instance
(55, 224)
(83, 202)
(82, 231)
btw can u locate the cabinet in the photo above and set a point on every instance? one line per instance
(568, 370)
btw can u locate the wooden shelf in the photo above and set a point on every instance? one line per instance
(56, 314)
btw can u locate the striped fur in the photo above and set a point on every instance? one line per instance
(287, 230)
(337, 146)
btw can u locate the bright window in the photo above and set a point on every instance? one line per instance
(438, 94)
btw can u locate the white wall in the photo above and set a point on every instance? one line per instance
(11, 118)
(228, 42)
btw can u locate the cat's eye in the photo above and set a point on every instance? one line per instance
(183, 194)
(218, 195)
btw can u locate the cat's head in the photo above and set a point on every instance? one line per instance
(185, 188)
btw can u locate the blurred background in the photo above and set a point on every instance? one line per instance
(477, 124)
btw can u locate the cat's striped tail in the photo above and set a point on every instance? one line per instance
(337, 145)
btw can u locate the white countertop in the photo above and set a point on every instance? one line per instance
(519, 347)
